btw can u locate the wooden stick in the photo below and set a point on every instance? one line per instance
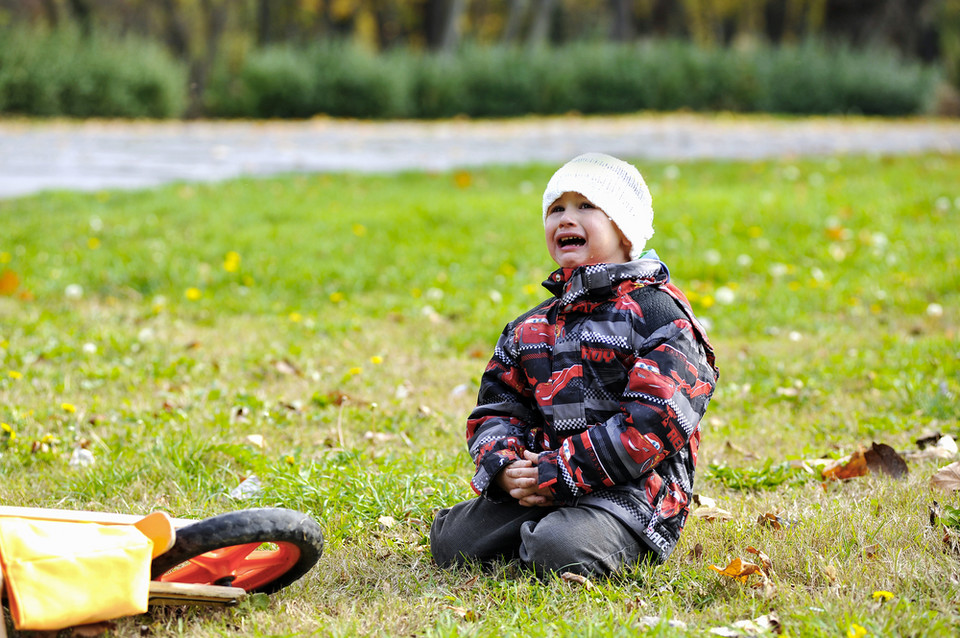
(189, 593)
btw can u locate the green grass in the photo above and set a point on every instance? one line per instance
(350, 330)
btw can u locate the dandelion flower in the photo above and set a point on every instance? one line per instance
(295, 317)
(231, 263)
(856, 631)
(13, 374)
(337, 297)
(193, 294)
(359, 230)
(882, 596)
(68, 407)
(376, 359)
(355, 371)
(93, 243)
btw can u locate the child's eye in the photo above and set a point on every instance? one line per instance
(556, 209)
(587, 205)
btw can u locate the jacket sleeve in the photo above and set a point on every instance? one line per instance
(501, 426)
(669, 384)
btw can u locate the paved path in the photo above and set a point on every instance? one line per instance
(36, 156)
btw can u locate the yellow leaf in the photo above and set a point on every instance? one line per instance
(738, 569)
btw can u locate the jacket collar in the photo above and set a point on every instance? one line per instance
(599, 281)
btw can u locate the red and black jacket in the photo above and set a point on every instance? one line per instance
(609, 379)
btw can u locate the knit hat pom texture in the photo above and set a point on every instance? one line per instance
(612, 185)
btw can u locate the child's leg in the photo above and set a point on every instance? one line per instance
(582, 540)
(480, 529)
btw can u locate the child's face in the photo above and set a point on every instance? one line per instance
(578, 233)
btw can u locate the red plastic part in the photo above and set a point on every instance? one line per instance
(245, 566)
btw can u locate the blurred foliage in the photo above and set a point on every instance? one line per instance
(346, 80)
(248, 51)
(65, 73)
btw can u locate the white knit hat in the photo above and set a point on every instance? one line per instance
(615, 187)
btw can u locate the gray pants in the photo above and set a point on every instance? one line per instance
(582, 540)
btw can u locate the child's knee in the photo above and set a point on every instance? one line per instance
(443, 548)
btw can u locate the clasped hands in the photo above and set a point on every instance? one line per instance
(520, 480)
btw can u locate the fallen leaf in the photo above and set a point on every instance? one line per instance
(854, 466)
(884, 459)
(255, 439)
(712, 514)
(738, 569)
(9, 282)
(695, 554)
(831, 573)
(926, 441)
(469, 582)
(765, 563)
(871, 551)
(703, 501)
(570, 577)
(386, 522)
(772, 520)
(948, 478)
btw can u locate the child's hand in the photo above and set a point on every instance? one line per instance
(520, 480)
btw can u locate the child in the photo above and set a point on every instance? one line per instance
(587, 425)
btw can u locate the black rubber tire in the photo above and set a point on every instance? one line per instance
(263, 525)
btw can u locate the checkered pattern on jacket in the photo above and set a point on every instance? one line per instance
(609, 379)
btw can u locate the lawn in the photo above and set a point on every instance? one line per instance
(347, 319)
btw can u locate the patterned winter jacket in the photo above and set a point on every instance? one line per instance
(609, 379)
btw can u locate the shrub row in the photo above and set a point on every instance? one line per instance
(66, 73)
(811, 78)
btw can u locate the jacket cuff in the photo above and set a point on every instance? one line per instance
(548, 475)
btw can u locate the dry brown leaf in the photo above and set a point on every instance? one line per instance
(739, 570)
(948, 478)
(712, 514)
(769, 519)
(469, 583)
(695, 554)
(884, 459)
(871, 551)
(579, 579)
(765, 563)
(854, 466)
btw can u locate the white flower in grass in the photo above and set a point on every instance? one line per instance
(725, 295)
(744, 260)
(90, 348)
(73, 291)
(712, 256)
(934, 310)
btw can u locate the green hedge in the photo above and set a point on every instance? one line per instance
(65, 73)
(812, 78)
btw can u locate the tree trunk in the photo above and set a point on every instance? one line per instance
(263, 22)
(621, 27)
(450, 36)
(515, 19)
(542, 21)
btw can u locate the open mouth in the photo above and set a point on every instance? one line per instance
(563, 242)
